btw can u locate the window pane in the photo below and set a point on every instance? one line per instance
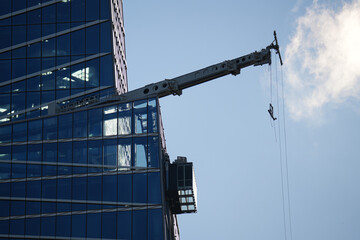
(32, 100)
(34, 152)
(49, 170)
(105, 37)
(94, 188)
(19, 132)
(48, 189)
(32, 208)
(18, 34)
(48, 226)
(19, 153)
(34, 32)
(152, 116)
(5, 171)
(48, 47)
(140, 154)
(110, 121)
(80, 129)
(17, 226)
(92, 40)
(18, 171)
(109, 225)
(77, 10)
(5, 68)
(33, 170)
(95, 152)
(109, 188)
(34, 17)
(64, 188)
(63, 11)
(140, 116)
(92, 10)
(154, 187)
(63, 78)
(78, 76)
(140, 188)
(49, 14)
(79, 189)
(5, 134)
(18, 68)
(139, 224)
(80, 152)
(32, 226)
(124, 119)
(92, 68)
(65, 126)
(4, 208)
(50, 128)
(18, 102)
(94, 225)
(17, 208)
(124, 152)
(63, 45)
(18, 5)
(5, 36)
(34, 50)
(63, 225)
(95, 122)
(5, 7)
(5, 153)
(155, 226)
(65, 152)
(106, 71)
(5, 188)
(154, 149)
(124, 225)
(48, 29)
(33, 84)
(18, 189)
(50, 152)
(110, 152)
(78, 42)
(77, 226)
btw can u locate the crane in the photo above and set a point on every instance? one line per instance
(176, 85)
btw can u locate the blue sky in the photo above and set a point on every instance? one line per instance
(224, 128)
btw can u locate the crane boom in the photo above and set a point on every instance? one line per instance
(176, 85)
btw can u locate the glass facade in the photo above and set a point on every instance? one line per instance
(94, 171)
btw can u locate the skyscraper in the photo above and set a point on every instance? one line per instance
(75, 161)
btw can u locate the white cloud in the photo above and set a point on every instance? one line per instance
(323, 60)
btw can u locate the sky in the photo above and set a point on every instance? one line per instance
(293, 178)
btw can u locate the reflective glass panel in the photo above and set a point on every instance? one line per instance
(108, 225)
(18, 68)
(50, 152)
(17, 208)
(139, 224)
(5, 36)
(152, 116)
(78, 76)
(5, 68)
(32, 207)
(77, 42)
(124, 119)
(63, 45)
(18, 189)
(140, 154)
(95, 152)
(64, 188)
(92, 40)
(95, 122)
(34, 50)
(110, 121)
(94, 188)
(154, 149)
(48, 47)
(80, 152)
(65, 152)
(124, 152)
(155, 226)
(34, 152)
(5, 134)
(34, 32)
(124, 225)
(109, 188)
(92, 71)
(65, 126)
(4, 171)
(19, 152)
(49, 14)
(33, 188)
(5, 153)
(19, 132)
(80, 129)
(32, 226)
(17, 226)
(63, 78)
(50, 128)
(63, 11)
(18, 171)
(106, 71)
(110, 152)
(140, 188)
(48, 189)
(33, 170)
(63, 226)
(78, 228)
(34, 17)
(154, 187)
(79, 188)
(77, 10)
(48, 226)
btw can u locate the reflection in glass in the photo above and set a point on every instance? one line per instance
(110, 121)
(124, 153)
(110, 152)
(140, 116)
(95, 122)
(50, 128)
(140, 147)
(34, 153)
(50, 152)
(35, 130)
(124, 119)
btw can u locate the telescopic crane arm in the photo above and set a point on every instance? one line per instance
(176, 85)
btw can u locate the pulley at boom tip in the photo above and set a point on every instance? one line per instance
(275, 45)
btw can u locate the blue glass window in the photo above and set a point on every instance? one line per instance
(32, 208)
(19, 152)
(17, 226)
(154, 187)
(48, 29)
(48, 226)
(18, 68)
(80, 152)
(140, 116)
(18, 171)
(48, 188)
(94, 188)
(48, 207)
(32, 226)
(49, 170)
(104, 10)
(18, 102)
(79, 189)
(92, 40)
(140, 154)
(34, 153)
(124, 225)
(105, 37)
(35, 130)
(32, 100)
(106, 71)
(17, 208)
(33, 170)
(80, 129)
(109, 225)
(95, 152)
(139, 224)
(49, 14)
(34, 32)
(19, 19)
(34, 50)
(48, 47)
(95, 122)
(77, 226)
(92, 68)
(63, 11)
(46, 97)
(5, 134)
(19, 132)
(18, 34)
(124, 119)
(65, 126)
(33, 84)
(64, 188)
(50, 128)
(33, 65)
(33, 189)
(4, 171)
(63, 78)
(125, 188)
(78, 75)
(109, 188)
(19, 52)
(110, 153)
(63, 45)
(34, 17)
(140, 188)
(154, 149)
(155, 220)
(78, 42)
(65, 152)
(18, 189)
(5, 188)
(152, 116)
(92, 10)
(5, 153)
(5, 7)
(4, 208)
(64, 170)
(46, 64)
(5, 36)
(110, 121)
(124, 152)
(63, 226)
(94, 225)
(50, 152)
(63, 207)
(18, 5)
(78, 10)
(5, 68)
